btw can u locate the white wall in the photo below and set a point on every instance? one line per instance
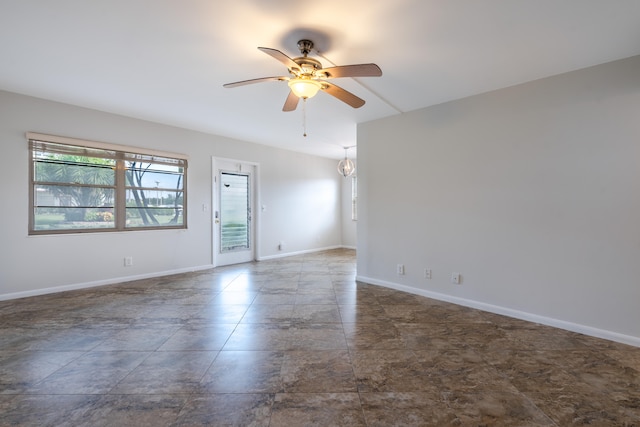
(532, 193)
(301, 192)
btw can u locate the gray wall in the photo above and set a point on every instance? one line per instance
(302, 194)
(532, 193)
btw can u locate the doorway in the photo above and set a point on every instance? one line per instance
(234, 184)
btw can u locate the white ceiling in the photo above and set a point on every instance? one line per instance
(166, 60)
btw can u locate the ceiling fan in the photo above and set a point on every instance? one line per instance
(307, 77)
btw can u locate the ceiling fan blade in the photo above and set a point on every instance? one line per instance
(342, 95)
(288, 62)
(291, 103)
(260, 80)
(357, 70)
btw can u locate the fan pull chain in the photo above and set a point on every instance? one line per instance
(304, 117)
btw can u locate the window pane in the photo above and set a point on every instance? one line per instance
(151, 175)
(153, 196)
(234, 211)
(154, 217)
(137, 197)
(75, 172)
(72, 218)
(153, 208)
(72, 195)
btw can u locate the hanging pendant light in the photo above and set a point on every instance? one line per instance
(346, 166)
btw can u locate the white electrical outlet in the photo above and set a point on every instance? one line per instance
(427, 273)
(400, 269)
(456, 278)
(128, 261)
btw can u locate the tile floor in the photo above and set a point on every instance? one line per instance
(297, 342)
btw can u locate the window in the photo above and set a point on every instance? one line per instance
(235, 211)
(354, 198)
(80, 186)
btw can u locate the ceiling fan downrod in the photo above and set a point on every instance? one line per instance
(305, 46)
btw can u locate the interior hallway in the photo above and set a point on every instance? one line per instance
(297, 342)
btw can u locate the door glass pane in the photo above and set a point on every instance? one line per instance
(234, 211)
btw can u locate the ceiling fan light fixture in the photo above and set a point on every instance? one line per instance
(304, 88)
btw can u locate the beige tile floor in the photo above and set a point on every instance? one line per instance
(297, 342)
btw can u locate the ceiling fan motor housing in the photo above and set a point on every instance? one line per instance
(307, 65)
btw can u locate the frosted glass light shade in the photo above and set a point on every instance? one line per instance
(304, 88)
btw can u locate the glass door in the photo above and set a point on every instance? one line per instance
(233, 219)
(235, 212)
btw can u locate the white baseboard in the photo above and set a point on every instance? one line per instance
(111, 281)
(288, 254)
(97, 283)
(561, 324)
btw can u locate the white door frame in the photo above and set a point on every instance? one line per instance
(255, 201)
